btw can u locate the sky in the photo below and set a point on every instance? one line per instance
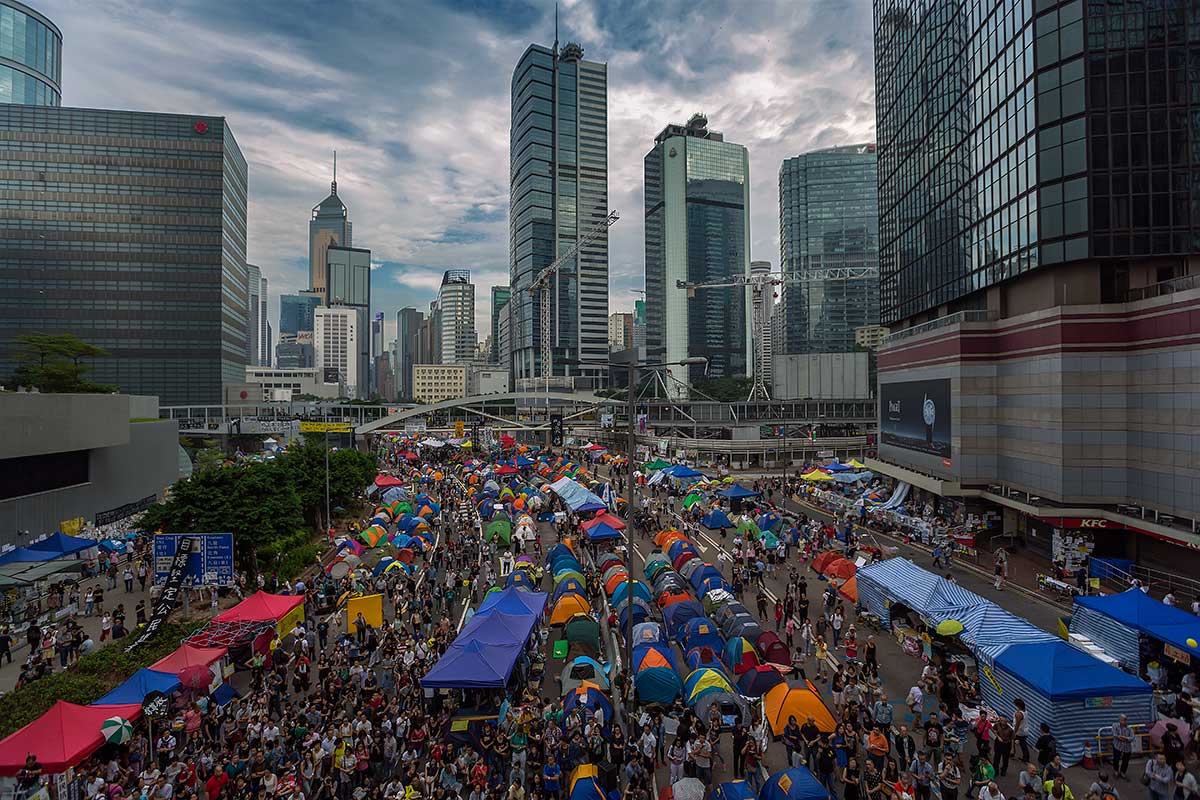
(414, 96)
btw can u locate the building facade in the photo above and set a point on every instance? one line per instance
(828, 218)
(697, 198)
(620, 330)
(1037, 229)
(486, 379)
(296, 312)
(433, 383)
(408, 326)
(258, 331)
(558, 162)
(348, 285)
(128, 230)
(500, 297)
(284, 384)
(337, 349)
(329, 226)
(296, 353)
(30, 57)
(456, 317)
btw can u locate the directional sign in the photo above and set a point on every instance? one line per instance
(211, 563)
(326, 427)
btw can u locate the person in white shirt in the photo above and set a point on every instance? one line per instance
(1170, 599)
(991, 792)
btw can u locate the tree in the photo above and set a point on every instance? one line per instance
(210, 458)
(349, 472)
(55, 363)
(726, 390)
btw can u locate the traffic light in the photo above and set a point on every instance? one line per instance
(556, 430)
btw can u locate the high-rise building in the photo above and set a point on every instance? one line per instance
(620, 330)
(456, 317)
(639, 323)
(500, 298)
(337, 349)
(296, 352)
(348, 285)
(558, 162)
(408, 325)
(296, 312)
(30, 57)
(1038, 231)
(378, 353)
(697, 230)
(762, 302)
(504, 340)
(828, 218)
(254, 325)
(264, 327)
(128, 230)
(329, 226)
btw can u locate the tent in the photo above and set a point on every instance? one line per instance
(704, 681)
(27, 554)
(601, 531)
(682, 471)
(648, 633)
(896, 580)
(62, 737)
(702, 632)
(605, 519)
(757, 681)
(677, 615)
(1070, 690)
(657, 685)
(796, 783)
(63, 545)
(189, 656)
(576, 497)
(655, 465)
(716, 519)
(583, 669)
(772, 649)
(568, 606)
(140, 684)
(734, 790)
(266, 607)
(591, 698)
(703, 657)
(785, 701)
(499, 528)
(739, 655)
(737, 492)
(1114, 622)
(487, 649)
(584, 629)
(733, 708)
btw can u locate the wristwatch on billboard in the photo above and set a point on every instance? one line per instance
(929, 414)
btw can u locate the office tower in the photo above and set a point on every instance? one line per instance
(267, 350)
(408, 325)
(144, 253)
(378, 353)
(264, 327)
(639, 323)
(456, 317)
(1038, 230)
(762, 303)
(336, 341)
(500, 298)
(620, 330)
(329, 226)
(504, 338)
(558, 162)
(828, 218)
(698, 231)
(254, 324)
(30, 57)
(296, 312)
(348, 285)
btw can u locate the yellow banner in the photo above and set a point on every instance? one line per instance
(71, 527)
(326, 427)
(992, 678)
(371, 608)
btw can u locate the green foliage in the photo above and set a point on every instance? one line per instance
(209, 458)
(349, 472)
(289, 556)
(54, 363)
(93, 676)
(726, 390)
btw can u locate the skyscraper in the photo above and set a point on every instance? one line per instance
(408, 326)
(144, 253)
(348, 285)
(30, 56)
(456, 317)
(253, 309)
(500, 298)
(1038, 231)
(828, 217)
(330, 226)
(296, 312)
(264, 327)
(558, 162)
(338, 350)
(697, 230)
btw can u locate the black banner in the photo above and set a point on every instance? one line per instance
(124, 512)
(556, 430)
(171, 591)
(156, 705)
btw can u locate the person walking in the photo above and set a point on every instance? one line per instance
(1122, 747)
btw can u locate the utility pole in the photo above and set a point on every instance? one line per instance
(328, 518)
(629, 495)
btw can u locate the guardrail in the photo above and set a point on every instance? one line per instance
(941, 322)
(1180, 284)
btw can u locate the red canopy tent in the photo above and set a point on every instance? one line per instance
(607, 519)
(387, 481)
(595, 447)
(261, 607)
(189, 656)
(61, 738)
(506, 440)
(506, 470)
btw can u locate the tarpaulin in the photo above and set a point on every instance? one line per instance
(61, 738)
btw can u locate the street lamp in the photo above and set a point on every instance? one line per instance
(631, 455)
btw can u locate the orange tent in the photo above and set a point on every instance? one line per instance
(849, 589)
(663, 538)
(841, 569)
(670, 598)
(615, 580)
(822, 560)
(568, 606)
(785, 701)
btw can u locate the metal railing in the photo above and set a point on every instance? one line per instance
(1180, 284)
(941, 322)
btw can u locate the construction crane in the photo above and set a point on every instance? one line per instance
(541, 284)
(760, 283)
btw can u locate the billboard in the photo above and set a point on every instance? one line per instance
(210, 563)
(915, 415)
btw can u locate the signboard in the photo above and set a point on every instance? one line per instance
(1170, 651)
(606, 421)
(1098, 702)
(182, 550)
(824, 454)
(414, 426)
(915, 415)
(156, 705)
(460, 429)
(124, 512)
(211, 563)
(326, 427)
(282, 426)
(332, 375)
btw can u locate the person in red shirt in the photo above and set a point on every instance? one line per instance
(216, 783)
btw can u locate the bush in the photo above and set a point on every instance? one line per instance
(90, 678)
(289, 556)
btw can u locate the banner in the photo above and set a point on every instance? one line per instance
(124, 512)
(172, 591)
(71, 527)
(371, 607)
(210, 564)
(326, 427)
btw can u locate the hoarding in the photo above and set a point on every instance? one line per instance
(915, 415)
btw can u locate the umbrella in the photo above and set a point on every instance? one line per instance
(688, 789)
(949, 627)
(195, 677)
(116, 730)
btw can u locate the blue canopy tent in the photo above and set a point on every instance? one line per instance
(576, 497)
(737, 492)
(682, 471)
(891, 581)
(511, 601)
(140, 684)
(601, 531)
(1068, 689)
(734, 790)
(1114, 622)
(63, 545)
(796, 783)
(488, 647)
(716, 519)
(27, 554)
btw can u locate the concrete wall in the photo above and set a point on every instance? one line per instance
(145, 465)
(821, 376)
(36, 424)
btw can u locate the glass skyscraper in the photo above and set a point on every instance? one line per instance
(30, 57)
(500, 297)
(128, 230)
(828, 217)
(697, 205)
(348, 285)
(558, 167)
(296, 313)
(329, 226)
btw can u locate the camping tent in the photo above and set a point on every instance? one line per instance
(140, 684)
(1114, 622)
(716, 519)
(796, 783)
(583, 669)
(61, 738)
(737, 492)
(785, 701)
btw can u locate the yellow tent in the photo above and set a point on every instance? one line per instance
(567, 606)
(816, 475)
(854, 462)
(784, 701)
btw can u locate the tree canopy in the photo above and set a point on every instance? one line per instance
(55, 363)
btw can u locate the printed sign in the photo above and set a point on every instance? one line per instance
(915, 415)
(414, 426)
(124, 512)
(1170, 651)
(211, 562)
(173, 589)
(156, 705)
(326, 427)
(606, 421)
(1098, 702)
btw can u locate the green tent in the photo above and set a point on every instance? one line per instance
(402, 507)
(692, 499)
(747, 528)
(499, 528)
(769, 539)
(655, 465)
(582, 628)
(569, 573)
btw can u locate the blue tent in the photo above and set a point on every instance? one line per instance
(140, 684)
(837, 466)
(1059, 670)
(767, 521)
(1114, 622)
(707, 572)
(27, 554)
(796, 783)
(61, 544)
(575, 496)
(586, 789)
(702, 632)
(513, 601)
(737, 492)
(601, 531)
(677, 615)
(657, 685)
(734, 790)
(682, 471)
(716, 519)
(473, 665)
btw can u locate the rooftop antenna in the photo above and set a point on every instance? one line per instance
(333, 183)
(556, 27)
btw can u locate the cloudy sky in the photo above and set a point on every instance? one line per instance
(413, 95)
